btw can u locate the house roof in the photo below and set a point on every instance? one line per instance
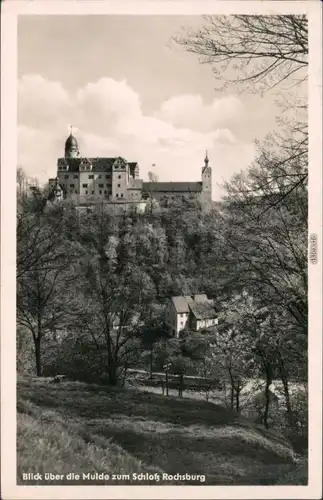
(178, 187)
(180, 304)
(200, 297)
(202, 310)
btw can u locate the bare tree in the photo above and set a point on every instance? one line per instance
(45, 259)
(22, 182)
(257, 51)
(42, 306)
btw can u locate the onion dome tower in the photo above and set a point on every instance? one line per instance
(71, 147)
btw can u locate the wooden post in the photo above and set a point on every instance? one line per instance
(166, 368)
(181, 385)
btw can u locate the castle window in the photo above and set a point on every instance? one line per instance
(75, 176)
(71, 186)
(85, 192)
(100, 192)
(121, 195)
(107, 176)
(117, 195)
(76, 191)
(84, 185)
(100, 176)
(119, 176)
(118, 185)
(92, 192)
(66, 176)
(91, 176)
(105, 192)
(101, 186)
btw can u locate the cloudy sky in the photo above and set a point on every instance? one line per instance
(127, 93)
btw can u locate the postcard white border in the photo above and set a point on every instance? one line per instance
(10, 10)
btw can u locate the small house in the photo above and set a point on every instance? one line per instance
(189, 312)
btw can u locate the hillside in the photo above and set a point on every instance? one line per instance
(74, 427)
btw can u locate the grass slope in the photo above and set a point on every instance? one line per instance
(80, 428)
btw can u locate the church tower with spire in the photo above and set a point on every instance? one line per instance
(206, 180)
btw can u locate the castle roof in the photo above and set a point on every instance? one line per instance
(71, 142)
(103, 164)
(176, 187)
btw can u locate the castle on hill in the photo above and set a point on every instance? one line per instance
(87, 181)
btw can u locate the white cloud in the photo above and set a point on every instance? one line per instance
(41, 102)
(190, 111)
(109, 120)
(107, 102)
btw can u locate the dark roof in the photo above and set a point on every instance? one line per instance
(165, 187)
(180, 304)
(98, 164)
(202, 310)
(200, 297)
(102, 164)
(71, 142)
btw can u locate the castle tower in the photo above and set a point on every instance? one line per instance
(120, 179)
(206, 180)
(71, 147)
